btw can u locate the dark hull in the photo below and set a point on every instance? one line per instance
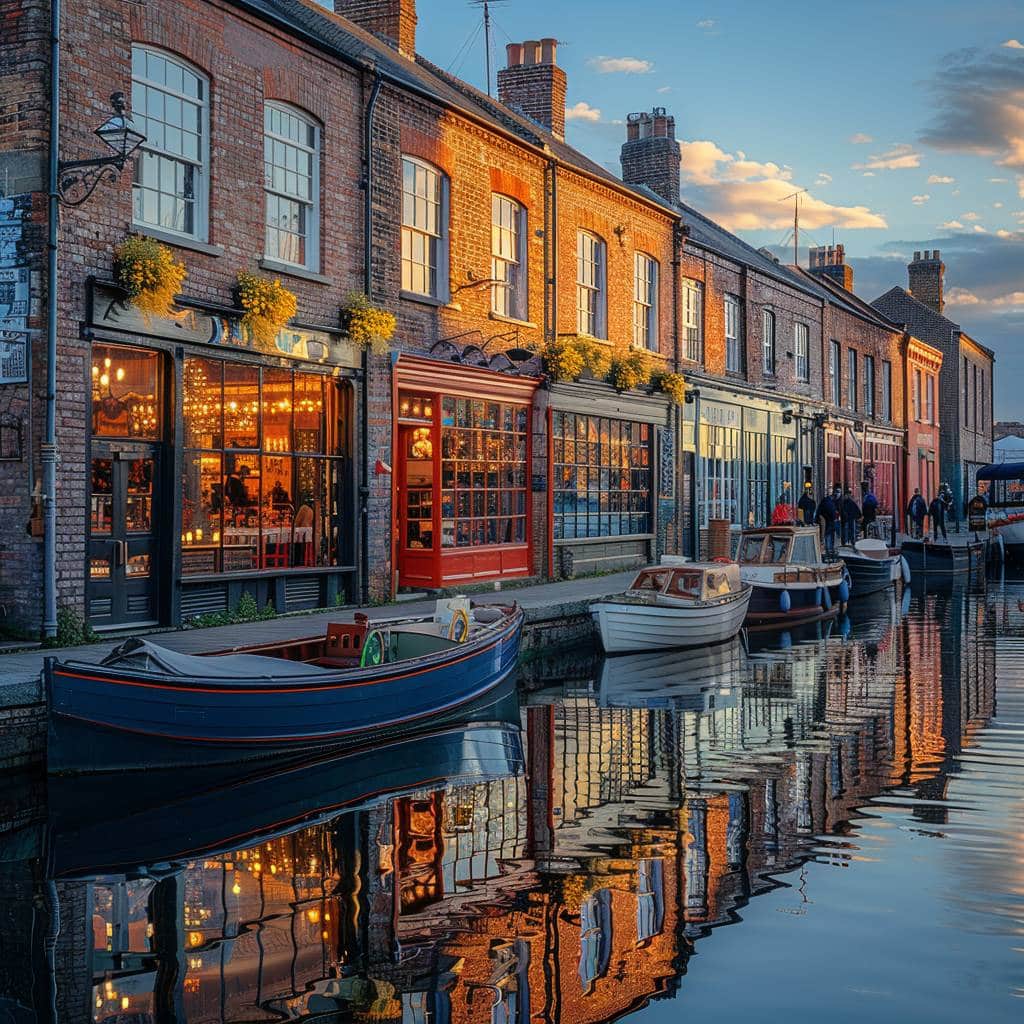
(925, 557)
(104, 826)
(869, 575)
(103, 722)
(764, 611)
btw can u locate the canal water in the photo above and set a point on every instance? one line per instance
(794, 828)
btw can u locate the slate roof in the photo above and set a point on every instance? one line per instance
(336, 34)
(849, 301)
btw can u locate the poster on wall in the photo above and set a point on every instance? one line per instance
(13, 357)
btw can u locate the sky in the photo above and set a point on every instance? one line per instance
(904, 122)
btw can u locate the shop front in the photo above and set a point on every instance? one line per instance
(744, 449)
(462, 452)
(216, 470)
(611, 459)
(859, 455)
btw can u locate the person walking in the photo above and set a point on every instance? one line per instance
(850, 514)
(950, 510)
(869, 508)
(807, 506)
(916, 511)
(827, 512)
(937, 512)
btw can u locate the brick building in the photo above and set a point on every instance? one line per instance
(922, 373)
(965, 380)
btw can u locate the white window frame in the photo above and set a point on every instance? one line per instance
(768, 329)
(646, 281)
(869, 385)
(312, 204)
(591, 284)
(929, 397)
(693, 319)
(417, 230)
(509, 290)
(200, 167)
(802, 351)
(733, 334)
(886, 390)
(835, 358)
(915, 394)
(851, 378)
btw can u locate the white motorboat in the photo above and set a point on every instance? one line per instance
(674, 606)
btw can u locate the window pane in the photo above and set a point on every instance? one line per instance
(202, 507)
(277, 410)
(125, 392)
(241, 406)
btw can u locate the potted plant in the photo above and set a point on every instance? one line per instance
(149, 273)
(267, 307)
(671, 384)
(630, 369)
(367, 325)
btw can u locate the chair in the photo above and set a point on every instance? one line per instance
(275, 554)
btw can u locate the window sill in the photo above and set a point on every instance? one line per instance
(423, 300)
(181, 241)
(292, 271)
(501, 318)
(564, 541)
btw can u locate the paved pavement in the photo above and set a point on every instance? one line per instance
(19, 673)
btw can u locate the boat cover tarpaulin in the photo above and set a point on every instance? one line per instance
(142, 656)
(1002, 471)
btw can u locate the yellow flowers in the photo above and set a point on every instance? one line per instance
(149, 273)
(671, 384)
(563, 359)
(268, 306)
(367, 325)
(626, 368)
(631, 369)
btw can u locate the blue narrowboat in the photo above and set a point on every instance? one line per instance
(146, 707)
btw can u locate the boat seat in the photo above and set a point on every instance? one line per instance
(346, 639)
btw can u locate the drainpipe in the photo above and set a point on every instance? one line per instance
(48, 449)
(364, 483)
(552, 283)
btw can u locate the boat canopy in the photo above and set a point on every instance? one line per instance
(699, 581)
(1002, 471)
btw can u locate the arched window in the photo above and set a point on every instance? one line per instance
(424, 229)
(645, 301)
(171, 107)
(591, 278)
(508, 257)
(291, 163)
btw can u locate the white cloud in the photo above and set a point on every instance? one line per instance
(900, 157)
(980, 230)
(920, 200)
(621, 65)
(1020, 186)
(582, 111)
(997, 206)
(707, 24)
(998, 181)
(961, 297)
(868, 174)
(970, 215)
(746, 195)
(1013, 44)
(824, 178)
(1003, 233)
(665, 89)
(952, 225)
(939, 179)
(860, 139)
(955, 192)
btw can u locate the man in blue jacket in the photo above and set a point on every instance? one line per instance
(828, 509)
(917, 510)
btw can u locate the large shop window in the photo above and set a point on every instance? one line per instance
(483, 475)
(719, 473)
(881, 470)
(602, 476)
(126, 393)
(170, 106)
(263, 463)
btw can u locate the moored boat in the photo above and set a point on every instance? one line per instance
(873, 566)
(674, 606)
(927, 557)
(146, 706)
(792, 582)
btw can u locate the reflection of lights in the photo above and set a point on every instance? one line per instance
(195, 938)
(125, 1002)
(313, 915)
(236, 888)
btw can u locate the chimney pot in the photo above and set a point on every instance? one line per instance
(534, 84)
(917, 256)
(650, 155)
(531, 51)
(549, 51)
(925, 279)
(514, 52)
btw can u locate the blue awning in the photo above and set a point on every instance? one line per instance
(1002, 471)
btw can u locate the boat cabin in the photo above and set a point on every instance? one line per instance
(780, 545)
(695, 581)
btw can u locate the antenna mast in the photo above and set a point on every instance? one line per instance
(795, 196)
(486, 5)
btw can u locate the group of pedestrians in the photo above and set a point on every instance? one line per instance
(837, 514)
(938, 510)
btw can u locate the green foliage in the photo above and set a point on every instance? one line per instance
(247, 610)
(72, 630)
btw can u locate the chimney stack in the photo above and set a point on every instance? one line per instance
(534, 84)
(830, 261)
(650, 155)
(394, 21)
(926, 273)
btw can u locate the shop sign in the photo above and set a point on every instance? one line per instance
(13, 357)
(199, 328)
(976, 508)
(720, 415)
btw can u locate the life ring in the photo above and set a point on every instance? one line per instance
(722, 560)
(458, 628)
(373, 649)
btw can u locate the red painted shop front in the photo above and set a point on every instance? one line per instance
(461, 486)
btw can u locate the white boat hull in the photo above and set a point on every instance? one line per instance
(631, 627)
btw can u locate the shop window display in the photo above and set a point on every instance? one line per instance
(262, 468)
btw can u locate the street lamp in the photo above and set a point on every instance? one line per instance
(77, 179)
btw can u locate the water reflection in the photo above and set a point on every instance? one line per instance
(653, 800)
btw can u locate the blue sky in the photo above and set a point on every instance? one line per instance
(905, 122)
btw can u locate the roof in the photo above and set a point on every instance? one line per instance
(899, 305)
(851, 302)
(336, 34)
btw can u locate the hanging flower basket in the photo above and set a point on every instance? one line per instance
(630, 370)
(367, 325)
(267, 306)
(149, 273)
(671, 384)
(572, 355)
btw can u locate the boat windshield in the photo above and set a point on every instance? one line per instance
(1002, 484)
(776, 549)
(685, 584)
(750, 548)
(651, 580)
